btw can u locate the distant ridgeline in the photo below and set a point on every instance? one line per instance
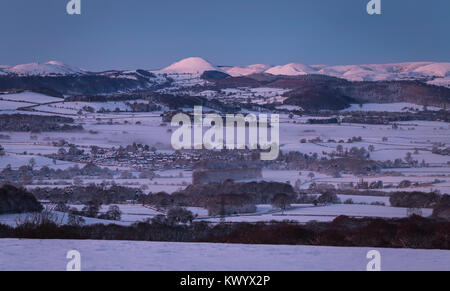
(208, 172)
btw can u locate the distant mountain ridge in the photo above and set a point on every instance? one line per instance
(427, 71)
(313, 87)
(52, 68)
(436, 73)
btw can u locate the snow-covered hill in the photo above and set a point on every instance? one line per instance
(370, 72)
(193, 65)
(433, 73)
(379, 72)
(435, 69)
(291, 69)
(52, 68)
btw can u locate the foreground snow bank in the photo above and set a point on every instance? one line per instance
(18, 254)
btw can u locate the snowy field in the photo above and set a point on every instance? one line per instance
(59, 217)
(303, 213)
(18, 160)
(30, 97)
(12, 106)
(390, 107)
(162, 256)
(300, 213)
(72, 108)
(130, 212)
(417, 175)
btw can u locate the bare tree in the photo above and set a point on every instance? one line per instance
(282, 201)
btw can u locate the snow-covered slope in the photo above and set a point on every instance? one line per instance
(435, 69)
(291, 69)
(441, 82)
(29, 97)
(192, 65)
(248, 70)
(51, 68)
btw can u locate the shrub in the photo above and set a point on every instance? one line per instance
(414, 199)
(75, 220)
(328, 198)
(180, 215)
(442, 210)
(228, 204)
(15, 200)
(38, 219)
